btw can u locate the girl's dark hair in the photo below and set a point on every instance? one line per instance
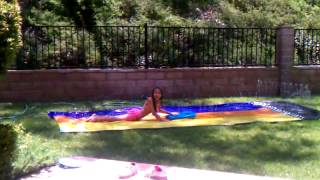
(153, 99)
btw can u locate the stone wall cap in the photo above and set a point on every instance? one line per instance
(284, 27)
(307, 66)
(122, 70)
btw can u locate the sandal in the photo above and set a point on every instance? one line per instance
(157, 174)
(128, 172)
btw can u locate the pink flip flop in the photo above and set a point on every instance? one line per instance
(128, 172)
(157, 174)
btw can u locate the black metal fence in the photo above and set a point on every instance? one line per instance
(145, 46)
(185, 46)
(307, 47)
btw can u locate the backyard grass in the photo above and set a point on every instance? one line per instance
(289, 150)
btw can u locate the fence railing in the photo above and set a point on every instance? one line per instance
(145, 46)
(185, 46)
(307, 47)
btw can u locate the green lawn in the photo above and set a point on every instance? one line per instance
(289, 150)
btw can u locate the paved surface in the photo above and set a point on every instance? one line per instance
(109, 170)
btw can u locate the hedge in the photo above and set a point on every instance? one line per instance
(8, 139)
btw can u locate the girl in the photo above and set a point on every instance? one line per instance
(151, 105)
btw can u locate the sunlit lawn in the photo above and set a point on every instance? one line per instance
(290, 150)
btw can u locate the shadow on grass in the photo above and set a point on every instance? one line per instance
(219, 148)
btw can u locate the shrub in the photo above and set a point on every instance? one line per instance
(269, 13)
(10, 35)
(7, 148)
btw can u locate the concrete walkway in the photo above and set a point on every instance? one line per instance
(109, 170)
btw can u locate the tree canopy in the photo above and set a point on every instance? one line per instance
(216, 13)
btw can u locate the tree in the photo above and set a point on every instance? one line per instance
(10, 35)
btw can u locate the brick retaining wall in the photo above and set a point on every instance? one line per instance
(61, 85)
(307, 75)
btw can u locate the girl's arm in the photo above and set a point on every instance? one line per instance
(154, 113)
(157, 116)
(164, 111)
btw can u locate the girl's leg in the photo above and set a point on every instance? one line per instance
(96, 118)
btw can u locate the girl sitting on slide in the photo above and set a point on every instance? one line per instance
(151, 105)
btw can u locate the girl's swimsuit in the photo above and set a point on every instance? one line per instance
(134, 114)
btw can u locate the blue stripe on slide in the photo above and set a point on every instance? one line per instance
(196, 109)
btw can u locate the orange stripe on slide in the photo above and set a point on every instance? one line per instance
(258, 112)
(61, 119)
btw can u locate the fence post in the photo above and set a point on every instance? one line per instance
(284, 57)
(146, 59)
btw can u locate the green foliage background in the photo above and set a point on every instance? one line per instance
(10, 36)
(232, 13)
